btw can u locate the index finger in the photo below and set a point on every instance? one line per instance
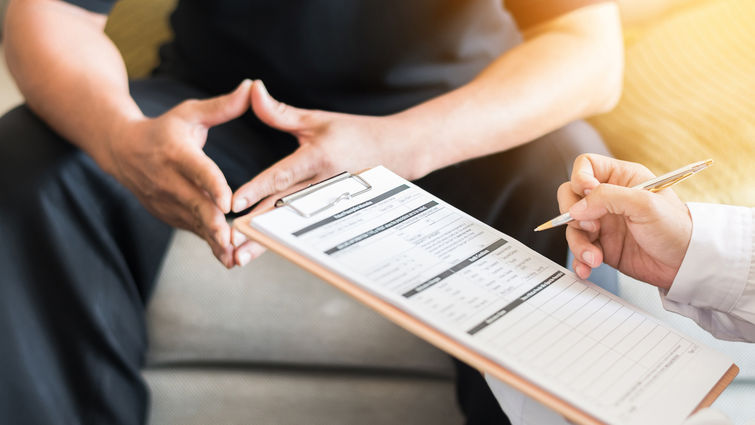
(583, 178)
(199, 169)
(592, 169)
(279, 177)
(566, 196)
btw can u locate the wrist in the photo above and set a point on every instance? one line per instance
(717, 262)
(120, 131)
(410, 132)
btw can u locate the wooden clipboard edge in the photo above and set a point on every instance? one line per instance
(417, 327)
(444, 342)
(718, 388)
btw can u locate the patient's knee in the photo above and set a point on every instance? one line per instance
(30, 152)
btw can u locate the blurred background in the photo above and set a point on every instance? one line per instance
(688, 94)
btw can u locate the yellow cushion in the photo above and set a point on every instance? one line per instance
(690, 95)
(138, 28)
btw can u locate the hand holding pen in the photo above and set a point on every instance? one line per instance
(619, 214)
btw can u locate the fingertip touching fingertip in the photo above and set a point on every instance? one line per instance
(240, 205)
(261, 85)
(243, 258)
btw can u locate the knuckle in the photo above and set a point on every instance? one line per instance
(646, 171)
(318, 160)
(282, 180)
(309, 118)
(150, 190)
(324, 161)
(216, 223)
(196, 211)
(652, 203)
(187, 106)
(599, 191)
(214, 229)
(582, 157)
(640, 167)
(227, 107)
(282, 108)
(170, 155)
(215, 182)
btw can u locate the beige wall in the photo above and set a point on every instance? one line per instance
(9, 95)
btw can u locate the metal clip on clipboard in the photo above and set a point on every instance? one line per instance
(288, 200)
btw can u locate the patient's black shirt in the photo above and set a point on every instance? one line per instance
(359, 56)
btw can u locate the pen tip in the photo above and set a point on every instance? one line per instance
(543, 226)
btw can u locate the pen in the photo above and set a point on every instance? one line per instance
(653, 185)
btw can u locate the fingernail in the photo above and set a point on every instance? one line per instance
(587, 191)
(579, 206)
(244, 257)
(588, 257)
(240, 204)
(238, 238)
(587, 225)
(247, 82)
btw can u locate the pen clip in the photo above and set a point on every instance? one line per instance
(669, 179)
(670, 182)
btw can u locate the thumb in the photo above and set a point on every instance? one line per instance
(635, 204)
(224, 108)
(273, 113)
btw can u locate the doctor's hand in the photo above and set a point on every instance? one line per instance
(642, 234)
(162, 162)
(329, 143)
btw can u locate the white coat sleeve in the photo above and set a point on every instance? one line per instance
(715, 285)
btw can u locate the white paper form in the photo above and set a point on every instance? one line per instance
(504, 301)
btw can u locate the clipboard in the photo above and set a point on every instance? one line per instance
(436, 337)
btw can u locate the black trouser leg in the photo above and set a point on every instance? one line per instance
(513, 191)
(78, 259)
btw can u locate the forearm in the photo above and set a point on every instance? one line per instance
(70, 73)
(571, 68)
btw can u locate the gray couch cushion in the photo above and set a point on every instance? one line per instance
(228, 396)
(270, 312)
